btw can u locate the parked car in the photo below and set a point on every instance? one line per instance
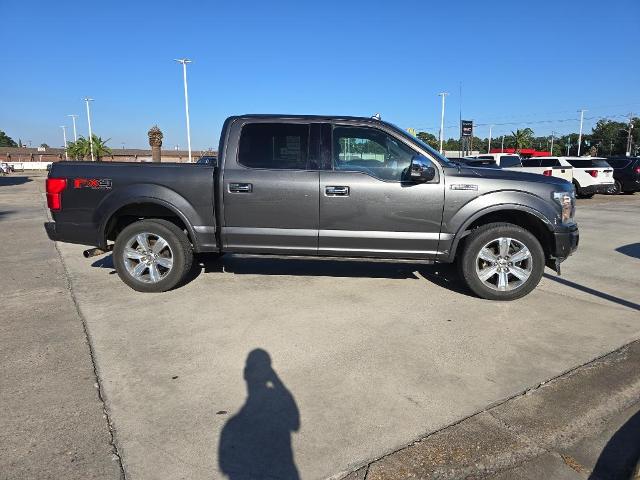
(591, 175)
(208, 160)
(626, 174)
(511, 161)
(476, 162)
(322, 186)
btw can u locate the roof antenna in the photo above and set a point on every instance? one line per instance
(377, 116)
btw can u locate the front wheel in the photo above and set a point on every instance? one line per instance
(152, 255)
(501, 261)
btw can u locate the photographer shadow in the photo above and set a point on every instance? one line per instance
(256, 442)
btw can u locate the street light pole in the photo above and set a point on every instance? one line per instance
(64, 136)
(630, 137)
(87, 100)
(443, 95)
(552, 133)
(184, 62)
(580, 135)
(75, 135)
(502, 146)
(489, 146)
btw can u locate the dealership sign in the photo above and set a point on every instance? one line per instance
(467, 128)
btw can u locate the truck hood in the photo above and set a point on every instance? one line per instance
(506, 175)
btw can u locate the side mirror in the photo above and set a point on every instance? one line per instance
(422, 170)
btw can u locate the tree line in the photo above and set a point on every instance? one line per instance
(607, 138)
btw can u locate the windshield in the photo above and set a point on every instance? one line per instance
(444, 160)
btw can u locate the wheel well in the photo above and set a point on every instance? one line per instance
(526, 220)
(129, 214)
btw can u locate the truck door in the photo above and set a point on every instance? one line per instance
(271, 185)
(367, 205)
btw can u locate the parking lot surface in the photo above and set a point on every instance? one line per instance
(326, 365)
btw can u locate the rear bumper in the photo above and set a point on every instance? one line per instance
(565, 242)
(598, 188)
(73, 233)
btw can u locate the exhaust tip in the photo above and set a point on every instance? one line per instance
(94, 252)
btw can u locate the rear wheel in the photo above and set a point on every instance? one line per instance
(616, 188)
(152, 255)
(501, 261)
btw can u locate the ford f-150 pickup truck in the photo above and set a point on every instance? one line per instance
(317, 185)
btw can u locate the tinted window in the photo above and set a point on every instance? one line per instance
(510, 161)
(549, 162)
(486, 157)
(589, 163)
(531, 162)
(370, 151)
(274, 145)
(618, 162)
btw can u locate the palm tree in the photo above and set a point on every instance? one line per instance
(522, 138)
(81, 148)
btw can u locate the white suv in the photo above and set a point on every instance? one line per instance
(512, 161)
(591, 175)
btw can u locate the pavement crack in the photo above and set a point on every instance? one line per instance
(98, 382)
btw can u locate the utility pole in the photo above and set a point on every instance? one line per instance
(87, 100)
(64, 136)
(580, 135)
(184, 62)
(502, 146)
(75, 135)
(630, 136)
(489, 146)
(552, 134)
(443, 95)
(568, 144)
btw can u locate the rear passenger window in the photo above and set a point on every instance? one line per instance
(510, 161)
(530, 162)
(550, 162)
(274, 146)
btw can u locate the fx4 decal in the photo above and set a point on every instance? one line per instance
(92, 183)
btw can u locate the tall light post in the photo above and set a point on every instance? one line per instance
(489, 146)
(75, 135)
(87, 100)
(502, 146)
(184, 62)
(580, 135)
(64, 136)
(552, 134)
(443, 95)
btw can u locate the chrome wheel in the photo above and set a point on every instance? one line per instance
(148, 257)
(504, 264)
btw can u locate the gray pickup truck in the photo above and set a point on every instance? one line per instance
(321, 186)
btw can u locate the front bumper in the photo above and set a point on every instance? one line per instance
(565, 242)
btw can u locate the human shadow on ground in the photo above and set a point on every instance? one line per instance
(593, 291)
(256, 442)
(620, 458)
(11, 180)
(631, 250)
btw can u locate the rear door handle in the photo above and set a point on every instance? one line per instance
(335, 191)
(240, 188)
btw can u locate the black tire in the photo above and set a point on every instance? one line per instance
(178, 244)
(616, 189)
(579, 191)
(482, 236)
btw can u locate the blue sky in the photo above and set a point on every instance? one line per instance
(519, 62)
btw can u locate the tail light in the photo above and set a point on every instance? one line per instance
(637, 169)
(55, 186)
(547, 173)
(593, 173)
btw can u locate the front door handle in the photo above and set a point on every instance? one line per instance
(240, 188)
(335, 191)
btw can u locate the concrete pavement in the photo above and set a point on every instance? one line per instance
(358, 359)
(52, 418)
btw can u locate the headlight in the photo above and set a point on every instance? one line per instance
(567, 202)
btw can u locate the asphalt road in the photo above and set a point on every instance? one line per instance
(326, 365)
